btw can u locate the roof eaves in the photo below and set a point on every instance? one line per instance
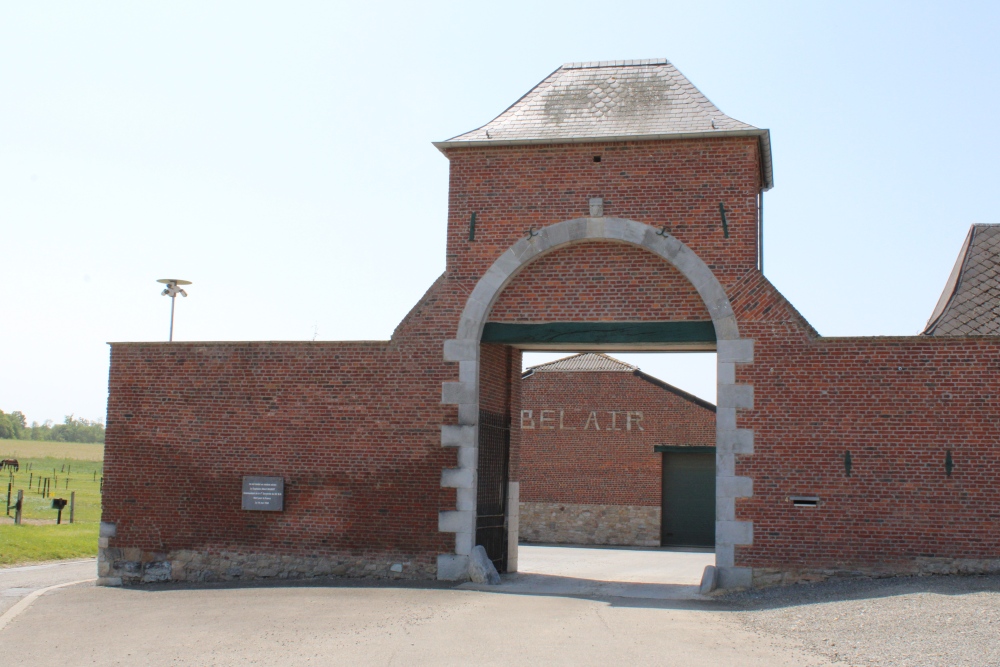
(763, 138)
(755, 132)
(675, 390)
(516, 102)
(767, 168)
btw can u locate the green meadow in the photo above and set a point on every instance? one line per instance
(70, 467)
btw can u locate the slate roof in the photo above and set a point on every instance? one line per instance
(595, 361)
(612, 101)
(589, 361)
(970, 303)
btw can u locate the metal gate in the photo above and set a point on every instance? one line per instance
(491, 492)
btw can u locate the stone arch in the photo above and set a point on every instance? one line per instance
(731, 350)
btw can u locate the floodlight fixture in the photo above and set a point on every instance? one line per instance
(172, 290)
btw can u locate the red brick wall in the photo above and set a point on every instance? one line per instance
(581, 464)
(600, 282)
(898, 405)
(354, 429)
(678, 184)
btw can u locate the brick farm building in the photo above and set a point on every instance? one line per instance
(594, 434)
(613, 207)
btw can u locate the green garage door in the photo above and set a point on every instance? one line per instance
(688, 518)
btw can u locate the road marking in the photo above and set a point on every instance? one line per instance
(23, 604)
(25, 568)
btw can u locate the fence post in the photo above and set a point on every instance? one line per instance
(72, 504)
(8, 498)
(17, 508)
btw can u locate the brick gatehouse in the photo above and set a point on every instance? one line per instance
(612, 207)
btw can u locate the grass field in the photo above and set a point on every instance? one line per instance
(70, 467)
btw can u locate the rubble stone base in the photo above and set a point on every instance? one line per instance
(128, 566)
(563, 523)
(763, 577)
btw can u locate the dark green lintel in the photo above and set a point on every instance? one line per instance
(681, 449)
(599, 332)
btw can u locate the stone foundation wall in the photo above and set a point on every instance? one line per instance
(563, 523)
(117, 567)
(763, 577)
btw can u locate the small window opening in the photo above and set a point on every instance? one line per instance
(597, 158)
(805, 501)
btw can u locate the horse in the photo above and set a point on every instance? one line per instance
(10, 463)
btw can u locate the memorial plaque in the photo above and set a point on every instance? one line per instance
(264, 494)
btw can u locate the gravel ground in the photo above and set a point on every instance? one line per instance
(900, 622)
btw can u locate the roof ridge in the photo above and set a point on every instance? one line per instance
(623, 367)
(615, 63)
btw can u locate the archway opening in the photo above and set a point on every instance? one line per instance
(612, 469)
(485, 355)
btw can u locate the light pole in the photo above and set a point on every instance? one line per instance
(172, 290)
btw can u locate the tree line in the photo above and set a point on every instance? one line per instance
(14, 426)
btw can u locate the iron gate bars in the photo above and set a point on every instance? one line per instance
(491, 492)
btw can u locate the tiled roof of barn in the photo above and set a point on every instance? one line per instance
(970, 303)
(609, 101)
(589, 361)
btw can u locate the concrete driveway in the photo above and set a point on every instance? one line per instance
(656, 574)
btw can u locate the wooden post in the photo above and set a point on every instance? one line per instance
(8, 498)
(31, 478)
(17, 508)
(67, 482)
(72, 505)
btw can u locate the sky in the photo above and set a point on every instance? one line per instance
(250, 147)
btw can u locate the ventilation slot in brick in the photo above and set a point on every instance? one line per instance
(805, 501)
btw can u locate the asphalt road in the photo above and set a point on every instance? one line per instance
(18, 582)
(376, 625)
(904, 622)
